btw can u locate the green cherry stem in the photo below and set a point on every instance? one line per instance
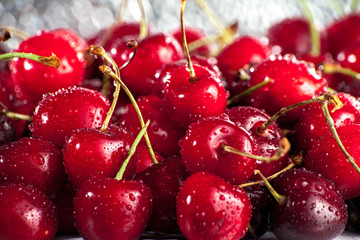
(185, 45)
(17, 116)
(279, 198)
(331, 68)
(330, 123)
(17, 32)
(131, 152)
(52, 61)
(354, 5)
(107, 71)
(143, 26)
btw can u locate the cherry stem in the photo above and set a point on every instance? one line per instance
(122, 11)
(324, 97)
(252, 232)
(185, 45)
(227, 35)
(279, 198)
(52, 61)
(248, 91)
(284, 147)
(17, 116)
(131, 152)
(354, 5)
(329, 68)
(4, 36)
(107, 71)
(17, 32)
(143, 26)
(330, 123)
(314, 33)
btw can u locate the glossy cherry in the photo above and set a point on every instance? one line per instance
(143, 159)
(105, 208)
(61, 112)
(26, 213)
(33, 162)
(210, 208)
(312, 209)
(326, 157)
(90, 152)
(201, 149)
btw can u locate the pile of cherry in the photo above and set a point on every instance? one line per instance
(200, 168)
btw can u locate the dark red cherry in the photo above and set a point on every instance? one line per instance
(312, 124)
(326, 157)
(105, 208)
(265, 144)
(152, 52)
(201, 149)
(59, 113)
(90, 152)
(7, 132)
(33, 162)
(190, 99)
(192, 34)
(26, 213)
(143, 159)
(34, 79)
(6, 96)
(164, 179)
(291, 81)
(23, 107)
(210, 208)
(163, 132)
(244, 52)
(312, 209)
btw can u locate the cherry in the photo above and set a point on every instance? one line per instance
(164, 179)
(61, 112)
(192, 34)
(312, 123)
(34, 79)
(163, 132)
(243, 53)
(7, 132)
(34, 162)
(311, 207)
(26, 213)
(265, 144)
(143, 159)
(202, 149)
(211, 208)
(91, 152)
(23, 107)
(327, 158)
(291, 81)
(105, 208)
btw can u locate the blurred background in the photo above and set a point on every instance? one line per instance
(87, 17)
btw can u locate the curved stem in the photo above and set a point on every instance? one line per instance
(107, 71)
(143, 26)
(279, 198)
(185, 45)
(122, 11)
(52, 61)
(132, 150)
(17, 32)
(329, 68)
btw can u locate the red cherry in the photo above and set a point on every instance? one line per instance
(163, 132)
(143, 159)
(23, 107)
(292, 81)
(243, 52)
(313, 209)
(211, 208)
(201, 149)
(192, 34)
(326, 157)
(152, 52)
(105, 208)
(34, 79)
(7, 132)
(59, 113)
(90, 152)
(26, 213)
(33, 162)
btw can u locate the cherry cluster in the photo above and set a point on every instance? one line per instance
(226, 137)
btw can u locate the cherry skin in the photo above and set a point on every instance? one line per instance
(7, 132)
(291, 81)
(143, 159)
(163, 132)
(326, 158)
(266, 144)
(90, 152)
(192, 34)
(188, 100)
(313, 208)
(61, 112)
(33, 162)
(210, 208)
(105, 208)
(26, 213)
(242, 53)
(152, 52)
(34, 79)
(312, 123)
(201, 149)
